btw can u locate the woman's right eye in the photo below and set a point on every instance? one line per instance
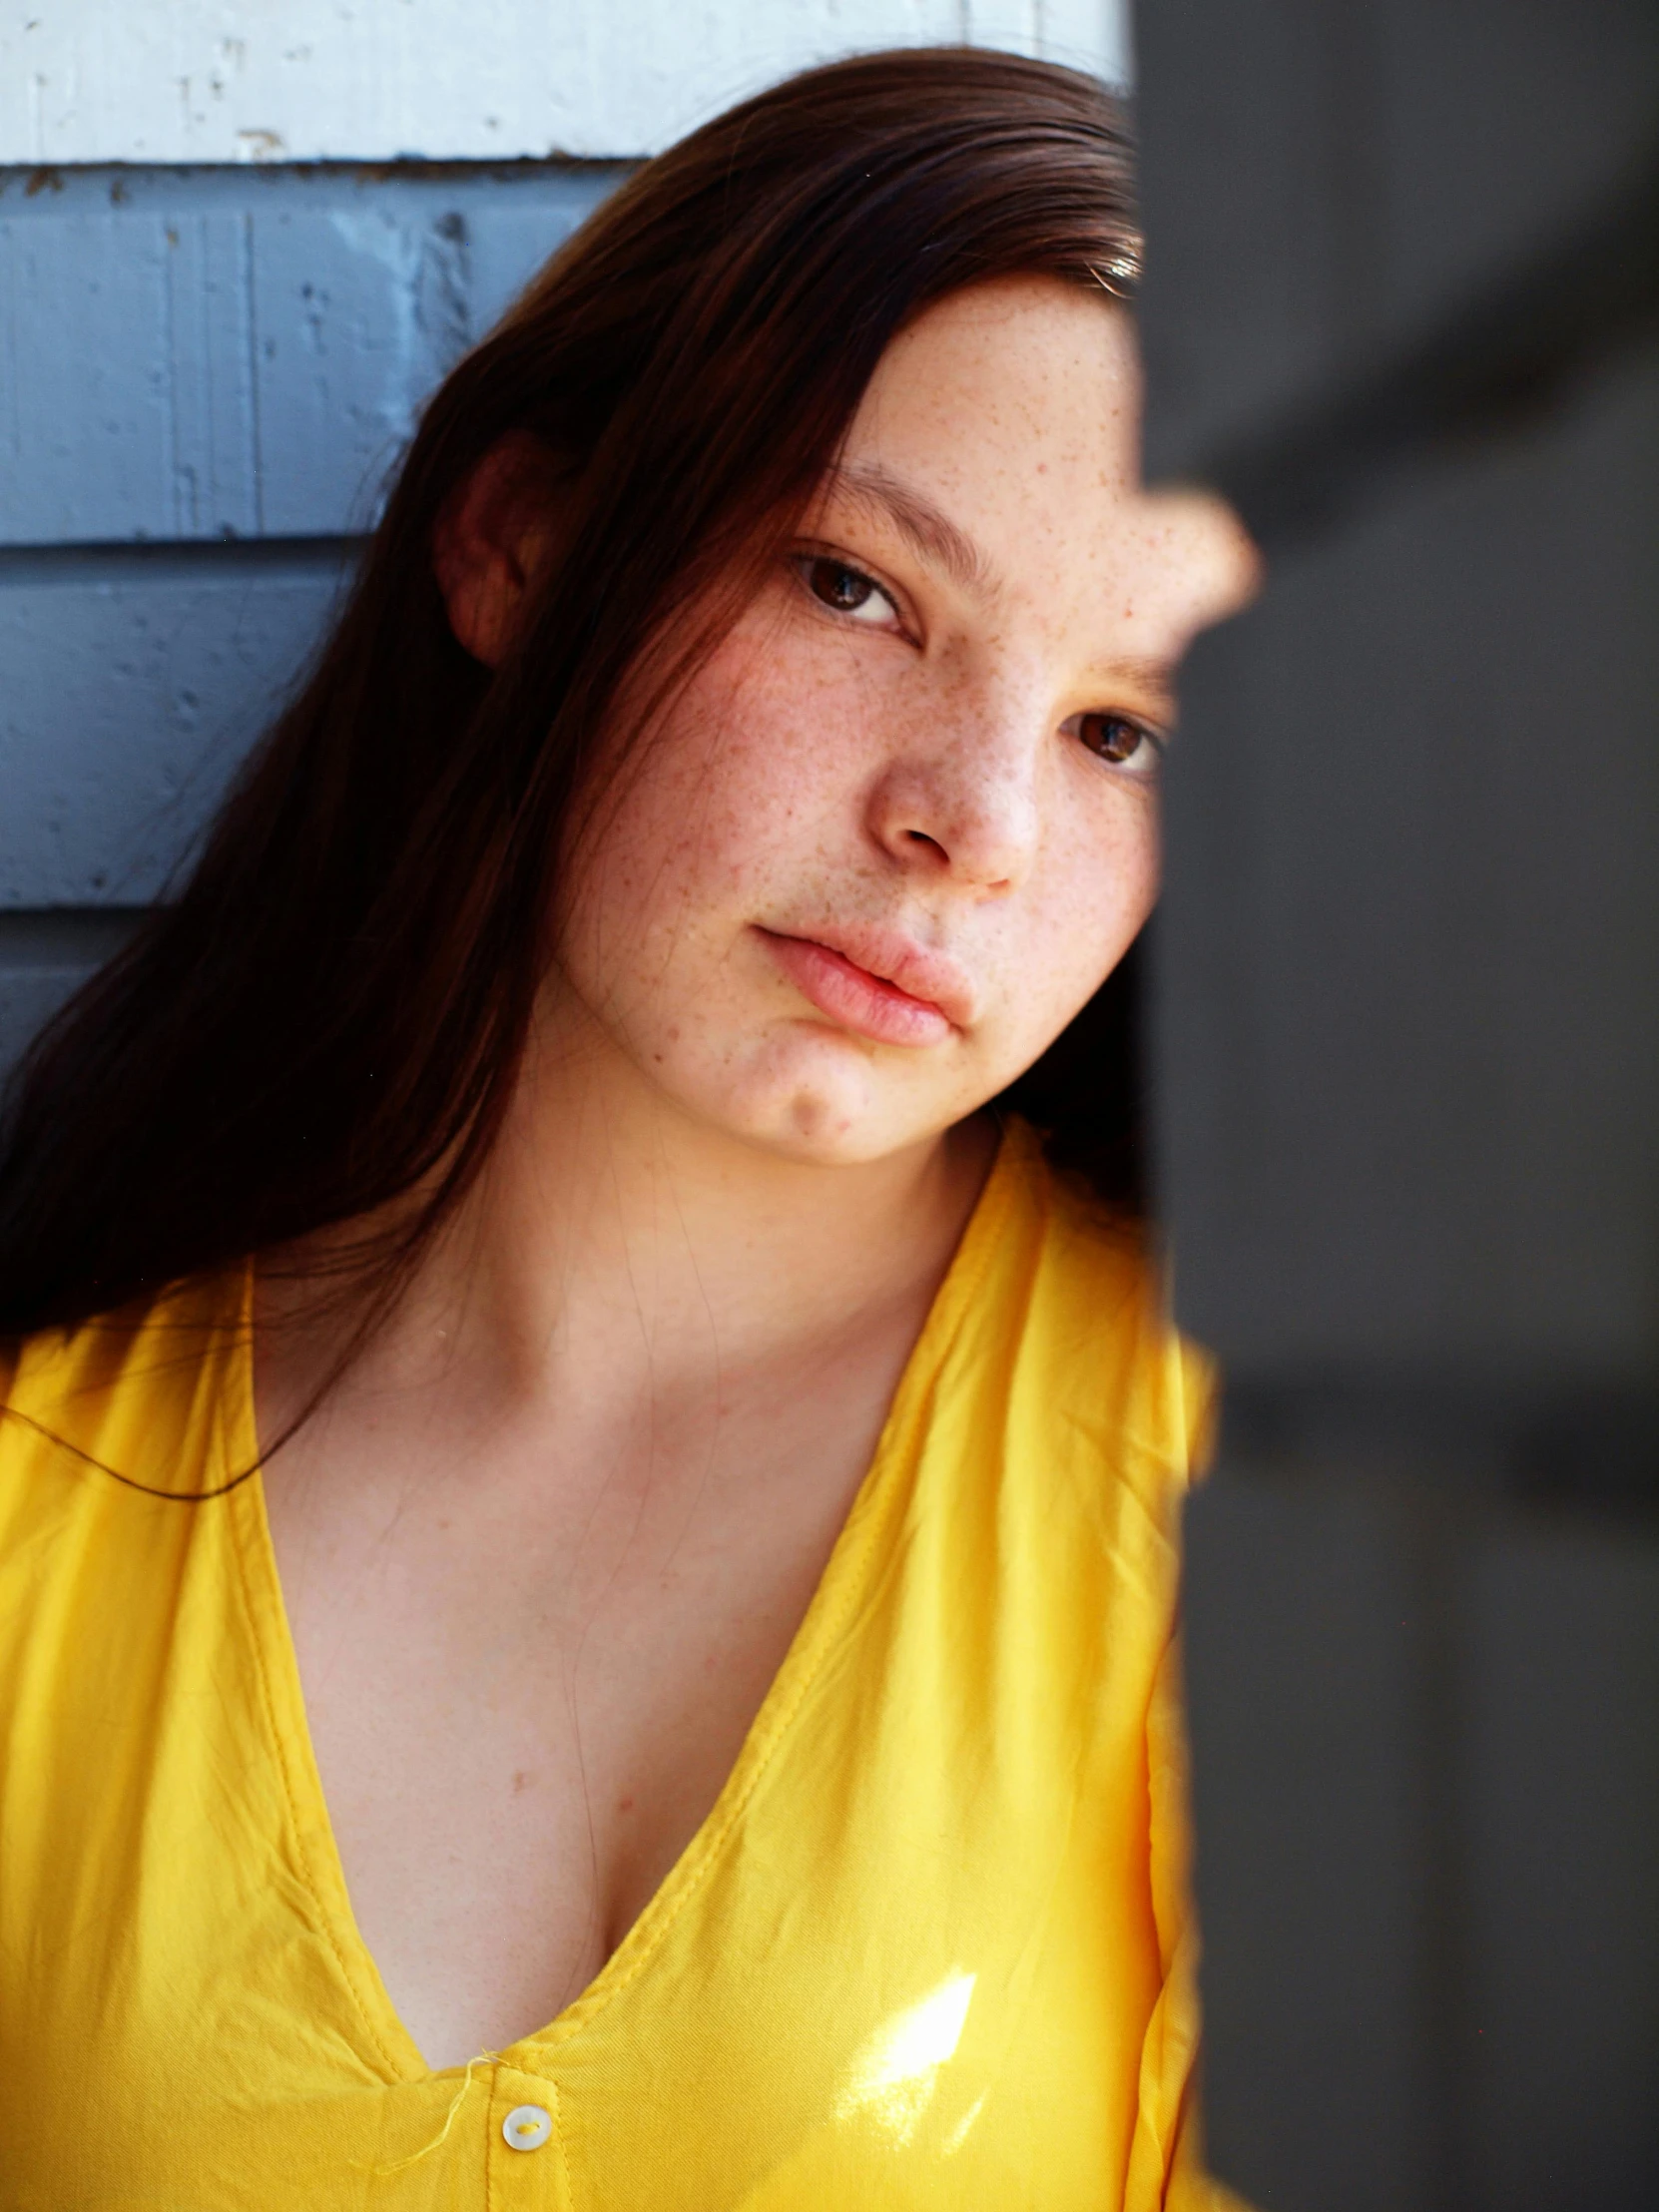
(847, 591)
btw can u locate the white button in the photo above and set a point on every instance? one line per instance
(527, 2127)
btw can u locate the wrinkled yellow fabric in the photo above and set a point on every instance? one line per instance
(929, 1948)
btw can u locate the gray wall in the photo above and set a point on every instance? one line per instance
(1402, 306)
(206, 378)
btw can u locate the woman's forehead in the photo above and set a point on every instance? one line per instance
(999, 444)
(1003, 403)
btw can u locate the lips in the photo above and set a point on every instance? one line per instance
(876, 983)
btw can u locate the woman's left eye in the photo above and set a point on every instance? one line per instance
(1118, 739)
(847, 591)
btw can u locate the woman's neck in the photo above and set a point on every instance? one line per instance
(615, 1250)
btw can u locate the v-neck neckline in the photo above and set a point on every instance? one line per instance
(859, 1546)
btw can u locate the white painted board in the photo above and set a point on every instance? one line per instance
(372, 80)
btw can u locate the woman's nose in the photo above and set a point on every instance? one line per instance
(966, 803)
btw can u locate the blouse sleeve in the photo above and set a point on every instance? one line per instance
(1166, 2162)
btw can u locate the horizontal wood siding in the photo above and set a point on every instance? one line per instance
(206, 378)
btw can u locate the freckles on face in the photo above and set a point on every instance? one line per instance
(733, 812)
(902, 821)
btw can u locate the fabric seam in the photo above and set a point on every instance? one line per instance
(245, 1503)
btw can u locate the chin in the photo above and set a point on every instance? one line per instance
(821, 1108)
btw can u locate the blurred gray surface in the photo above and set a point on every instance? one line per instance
(1327, 179)
(1411, 1043)
(1427, 1804)
(1403, 304)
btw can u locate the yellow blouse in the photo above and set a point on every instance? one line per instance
(929, 1950)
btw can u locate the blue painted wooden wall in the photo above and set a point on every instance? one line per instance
(205, 376)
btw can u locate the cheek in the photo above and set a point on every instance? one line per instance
(735, 791)
(1096, 892)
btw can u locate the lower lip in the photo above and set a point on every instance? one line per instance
(854, 999)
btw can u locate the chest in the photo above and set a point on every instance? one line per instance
(889, 1972)
(525, 1685)
(910, 1958)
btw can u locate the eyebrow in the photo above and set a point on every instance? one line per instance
(1153, 675)
(932, 534)
(927, 528)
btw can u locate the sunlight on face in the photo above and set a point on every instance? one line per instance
(903, 822)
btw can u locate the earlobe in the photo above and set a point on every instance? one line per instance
(491, 539)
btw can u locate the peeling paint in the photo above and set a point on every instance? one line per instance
(199, 351)
(97, 84)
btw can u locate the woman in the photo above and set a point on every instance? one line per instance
(587, 1525)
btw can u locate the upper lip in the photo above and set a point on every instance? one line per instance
(933, 977)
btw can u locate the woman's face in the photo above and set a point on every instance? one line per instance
(905, 820)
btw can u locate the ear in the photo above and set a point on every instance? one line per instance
(492, 535)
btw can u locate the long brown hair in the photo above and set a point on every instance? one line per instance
(332, 1012)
